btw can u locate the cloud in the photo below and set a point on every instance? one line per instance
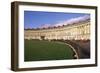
(45, 25)
(73, 20)
(69, 21)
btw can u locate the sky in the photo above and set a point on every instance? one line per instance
(40, 19)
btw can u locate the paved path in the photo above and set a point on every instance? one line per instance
(82, 48)
(76, 56)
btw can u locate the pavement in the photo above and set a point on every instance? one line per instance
(82, 47)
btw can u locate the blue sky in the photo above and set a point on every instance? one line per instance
(36, 19)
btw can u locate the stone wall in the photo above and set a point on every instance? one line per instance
(77, 31)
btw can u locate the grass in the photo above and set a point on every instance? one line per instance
(36, 50)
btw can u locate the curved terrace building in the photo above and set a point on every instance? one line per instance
(75, 31)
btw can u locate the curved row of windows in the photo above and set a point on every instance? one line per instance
(77, 32)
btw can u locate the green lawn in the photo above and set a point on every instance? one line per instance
(36, 50)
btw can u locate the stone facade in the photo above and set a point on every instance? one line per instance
(76, 31)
